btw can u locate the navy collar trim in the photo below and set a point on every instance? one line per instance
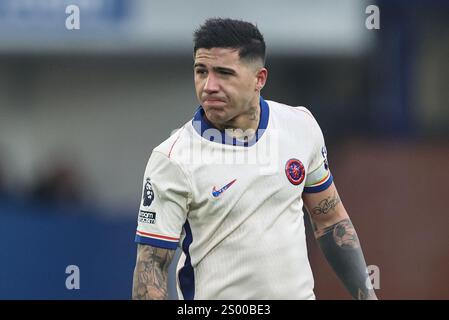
(202, 126)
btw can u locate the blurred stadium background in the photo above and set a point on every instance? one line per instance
(81, 110)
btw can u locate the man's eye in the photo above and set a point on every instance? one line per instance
(201, 71)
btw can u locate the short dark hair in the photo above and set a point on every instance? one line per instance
(230, 33)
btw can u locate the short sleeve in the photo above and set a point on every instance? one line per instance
(318, 177)
(164, 203)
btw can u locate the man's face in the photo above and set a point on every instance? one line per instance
(225, 85)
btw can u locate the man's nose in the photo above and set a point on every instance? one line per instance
(211, 84)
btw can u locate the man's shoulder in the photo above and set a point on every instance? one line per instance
(290, 113)
(177, 139)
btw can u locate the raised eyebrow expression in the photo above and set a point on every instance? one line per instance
(222, 70)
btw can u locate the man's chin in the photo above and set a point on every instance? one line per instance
(216, 115)
(217, 119)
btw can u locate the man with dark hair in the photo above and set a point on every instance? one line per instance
(227, 33)
(230, 185)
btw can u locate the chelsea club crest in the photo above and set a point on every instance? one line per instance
(294, 169)
(148, 194)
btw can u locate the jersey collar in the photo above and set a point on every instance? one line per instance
(201, 124)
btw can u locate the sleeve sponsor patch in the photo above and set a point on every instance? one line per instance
(147, 217)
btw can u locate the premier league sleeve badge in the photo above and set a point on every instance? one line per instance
(148, 194)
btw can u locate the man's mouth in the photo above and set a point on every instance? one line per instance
(211, 99)
(213, 103)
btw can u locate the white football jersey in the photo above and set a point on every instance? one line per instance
(235, 207)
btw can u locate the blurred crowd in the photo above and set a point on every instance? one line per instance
(60, 184)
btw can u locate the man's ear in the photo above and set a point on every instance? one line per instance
(261, 78)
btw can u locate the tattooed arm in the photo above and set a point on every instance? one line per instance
(339, 242)
(151, 273)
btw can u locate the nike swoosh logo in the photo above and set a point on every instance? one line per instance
(216, 192)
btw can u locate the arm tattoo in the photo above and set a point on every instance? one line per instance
(151, 272)
(342, 250)
(343, 233)
(326, 205)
